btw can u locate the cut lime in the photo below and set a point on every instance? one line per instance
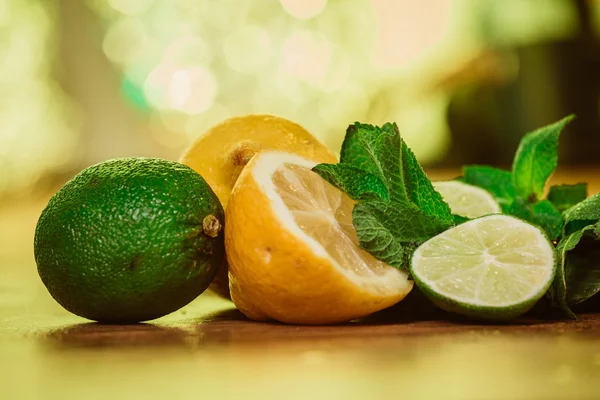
(467, 200)
(494, 267)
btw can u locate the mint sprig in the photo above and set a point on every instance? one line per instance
(398, 208)
(519, 191)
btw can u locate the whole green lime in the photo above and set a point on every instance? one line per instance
(130, 239)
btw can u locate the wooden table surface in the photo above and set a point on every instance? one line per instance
(209, 350)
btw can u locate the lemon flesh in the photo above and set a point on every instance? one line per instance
(324, 213)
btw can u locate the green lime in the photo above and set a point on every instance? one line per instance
(467, 200)
(130, 239)
(495, 267)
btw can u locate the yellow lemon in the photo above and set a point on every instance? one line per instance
(220, 154)
(293, 251)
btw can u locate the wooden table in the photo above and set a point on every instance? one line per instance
(208, 350)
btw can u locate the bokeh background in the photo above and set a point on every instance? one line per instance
(87, 80)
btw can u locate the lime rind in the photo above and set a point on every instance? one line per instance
(473, 307)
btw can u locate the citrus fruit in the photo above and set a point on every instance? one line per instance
(293, 252)
(467, 200)
(494, 267)
(220, 154)
(129, 240)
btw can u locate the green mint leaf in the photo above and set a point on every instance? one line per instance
(542, 213)
(566, 196)
(496, 181)
(582, 269)
(459, 219)
(376, 150)
(536, 159)
(578, 275)
(549, 218)
(582, 214)
(390, 231)
(559, 285)
(398, 207)
(356, 183)
(420, 190)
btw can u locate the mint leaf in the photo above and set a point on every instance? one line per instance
(459, 219)
(542, 213)
(566, 196)
(496, 181)
(382, 152)
(536, 159)
(582, 214)
(357, 184)
(420, 190)
(390, 231)
(578, 275)
(559, 286)
(376, 150)
(582, 269)
(548, 217)
(398, 207)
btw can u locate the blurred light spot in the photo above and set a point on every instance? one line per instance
(188, 50)
(513, 22)
(422, 27)
(304, 9)
(192, 90)
(138, 72)
(306, 56)
(196, 125)
(280, 97)
(134, 94)
(338, 75)
(290, 89)
(248, 49)
(36, 120)
(349, 23)
(337, 110)
(125, 40)
(155, 86)
(130, 7)
(424, 119)
(225, 15)
(167, 129)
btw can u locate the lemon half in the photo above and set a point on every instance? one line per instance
(293, 252)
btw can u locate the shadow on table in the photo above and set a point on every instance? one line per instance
(97, 335)
(414, 317)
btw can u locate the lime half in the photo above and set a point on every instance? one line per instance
(467, 200)
(495, 267)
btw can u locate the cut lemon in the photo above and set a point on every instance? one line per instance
(493, 267)
(467, 200)
(220, 154)
(293, 252)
